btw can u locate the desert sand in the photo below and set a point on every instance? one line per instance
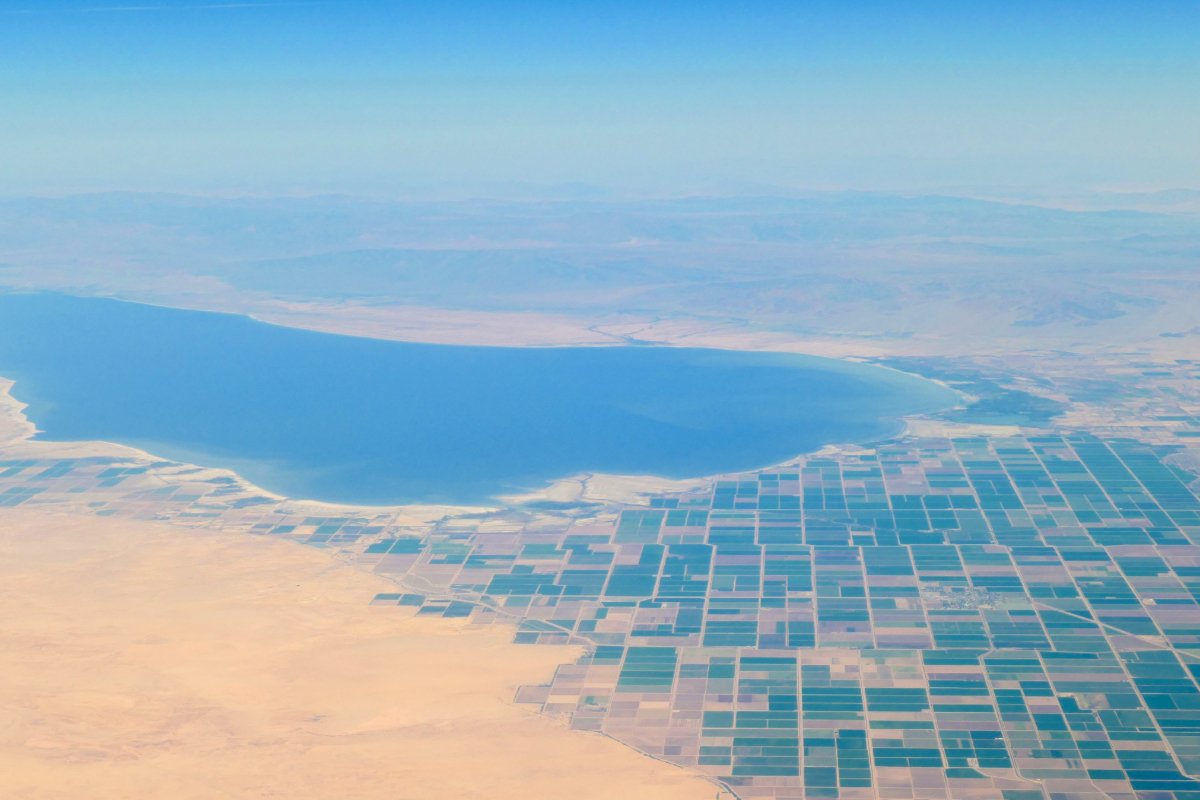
(145, 661)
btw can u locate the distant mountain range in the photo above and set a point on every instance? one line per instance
(817, 263)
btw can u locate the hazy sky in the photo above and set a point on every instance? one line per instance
(658, 96)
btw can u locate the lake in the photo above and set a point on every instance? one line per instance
(356, 420)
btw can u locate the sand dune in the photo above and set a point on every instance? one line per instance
(143, 661)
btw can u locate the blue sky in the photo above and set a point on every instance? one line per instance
(651, 97)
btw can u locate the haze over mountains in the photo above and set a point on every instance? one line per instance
(860, 265)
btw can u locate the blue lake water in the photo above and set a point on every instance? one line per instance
(355, 420)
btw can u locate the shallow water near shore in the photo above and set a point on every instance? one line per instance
(365, 421)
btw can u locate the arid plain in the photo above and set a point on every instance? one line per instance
(145, 660)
